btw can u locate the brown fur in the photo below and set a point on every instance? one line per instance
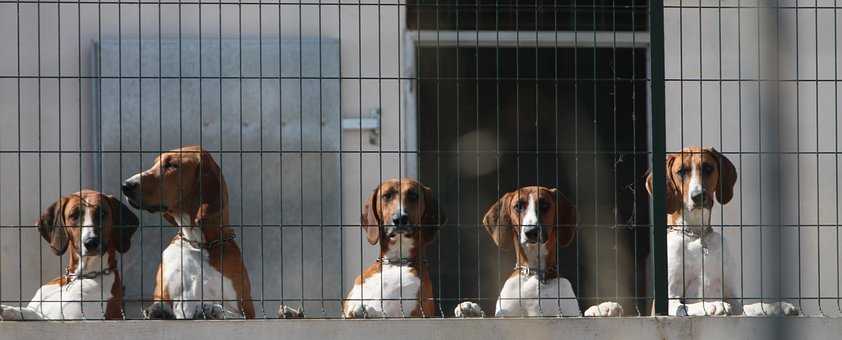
(502, 222)
(60, 227)
(188, 181)
(719, 182)
(422, 209)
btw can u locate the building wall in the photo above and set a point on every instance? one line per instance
(52, 40)
(722, 90)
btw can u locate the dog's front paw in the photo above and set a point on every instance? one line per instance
(10, 313)
(287, 312)
(717, 308)
(770, 309)
(159, 311)
(362, 311)
(468, 309)
(605, 309)
(210, 311)
(789, 309)
(681, 310)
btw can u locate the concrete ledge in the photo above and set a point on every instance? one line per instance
(482, 329)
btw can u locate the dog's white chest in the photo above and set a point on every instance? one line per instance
(78, 299)
(695, 266)
(191, 280)
(393, 291)
(526, 295)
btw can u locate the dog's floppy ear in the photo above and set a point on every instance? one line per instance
(727, 177)
(566, 218)
(210, 188)
(369, 218)
(497, 222)
(672, 197)
(51, 226)
(123, 223)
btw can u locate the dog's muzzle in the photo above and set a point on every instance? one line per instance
(534, 234)
(131, 189)
(400, 226)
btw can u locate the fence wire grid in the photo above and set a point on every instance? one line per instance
(418, 158)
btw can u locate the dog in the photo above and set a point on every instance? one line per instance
(403, 217)
(534, 220)
(94, 227)
(201, 274)
(696, 261)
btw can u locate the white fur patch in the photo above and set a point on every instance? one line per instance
(529, 219)
(694, 269)
(78, 299)
(694, 188)
(192, 281)
(393, 293)
(526, 296)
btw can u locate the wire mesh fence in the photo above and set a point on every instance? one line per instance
(418, 158)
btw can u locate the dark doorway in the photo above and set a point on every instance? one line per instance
(495, 119)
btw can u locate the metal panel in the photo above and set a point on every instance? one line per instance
(269, 112)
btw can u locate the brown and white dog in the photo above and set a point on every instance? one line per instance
(403, 217)
(535, 220)
(201, 274)
(696, 259)
(94, 227)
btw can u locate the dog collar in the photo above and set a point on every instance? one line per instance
(206, 245)
(542, 274)
(89, 275)
(695, 232)
(401, 262)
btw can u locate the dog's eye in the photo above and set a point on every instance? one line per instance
(388, 196)
(169, 165)
(74, 215)
(682, 172)
(707, 169)
(520, 206)
(543, 206)
(411, 196)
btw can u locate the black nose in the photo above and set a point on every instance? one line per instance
(532, 233)
(698, 198)
(129, 188)
(401, 220)
(92, 243)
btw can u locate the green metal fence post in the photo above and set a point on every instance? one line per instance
(659, 222)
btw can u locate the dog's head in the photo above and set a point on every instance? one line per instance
(531, 216)
(401, 211)
(694, 176)
(89, 223)
(181, 181)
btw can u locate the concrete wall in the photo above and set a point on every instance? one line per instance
(551, 328)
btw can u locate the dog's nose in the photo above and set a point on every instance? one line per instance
(401, 220)
(531, 233)
(129, 187)
(92, 243)
(698, 198)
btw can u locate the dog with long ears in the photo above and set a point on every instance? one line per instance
(202, 274)
(535, 221)
(94, 228)
(402, 216)
(696, 259)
